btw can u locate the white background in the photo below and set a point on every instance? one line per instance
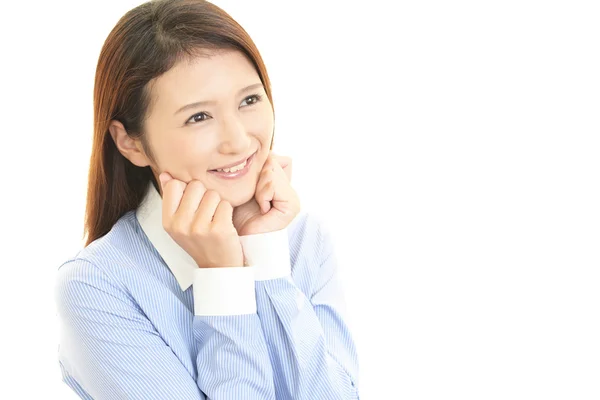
(453, 148)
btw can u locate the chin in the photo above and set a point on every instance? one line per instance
(237, 199)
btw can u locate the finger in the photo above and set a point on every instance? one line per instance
(194, 191)
(285, 163)
(206, 209)
(282, 190)
(223, 215)
(172, 192)
(264, 196)
(164, 177)
(279, 172)
(265, 190)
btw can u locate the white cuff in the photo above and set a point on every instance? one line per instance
(268, 253)
(224, 291)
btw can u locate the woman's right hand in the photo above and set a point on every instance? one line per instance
(200, 223)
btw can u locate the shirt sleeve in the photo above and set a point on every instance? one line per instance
(114, 352)
(311, 349)
(232, 355)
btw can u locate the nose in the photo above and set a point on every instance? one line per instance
(234, 137)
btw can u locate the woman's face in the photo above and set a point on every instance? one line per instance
(209, 113)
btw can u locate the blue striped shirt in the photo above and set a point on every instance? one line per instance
(129, 330)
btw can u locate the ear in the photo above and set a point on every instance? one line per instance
(130, 148)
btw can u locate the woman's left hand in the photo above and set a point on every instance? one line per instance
(275, 203)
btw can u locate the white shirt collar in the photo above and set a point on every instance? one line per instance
(149, 215)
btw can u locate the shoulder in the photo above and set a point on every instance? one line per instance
(117, 246)
(309, 232)
(96, 267)
(82, 287)
(123, 236)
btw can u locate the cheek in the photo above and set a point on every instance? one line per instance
(260, 124)
(194, 156)
(262, 129)
(185, 152)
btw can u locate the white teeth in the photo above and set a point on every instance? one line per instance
(232, 169)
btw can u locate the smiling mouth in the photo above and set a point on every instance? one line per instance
(234, 171)
(234, 167)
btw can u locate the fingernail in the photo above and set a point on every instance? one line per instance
(162, 177)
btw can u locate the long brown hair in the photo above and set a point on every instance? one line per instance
(146, 42)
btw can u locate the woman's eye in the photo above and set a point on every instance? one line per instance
(198, 117)
(255, 98)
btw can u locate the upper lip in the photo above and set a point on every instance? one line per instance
(234, 164)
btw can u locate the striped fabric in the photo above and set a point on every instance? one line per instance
(128, 330)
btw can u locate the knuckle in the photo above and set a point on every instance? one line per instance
(198, 231)
(195, 184)
(212, 195)
(178, 227)
(177, 184)
(225, 205)
(220, 232)
(269, 185)
(266, 174)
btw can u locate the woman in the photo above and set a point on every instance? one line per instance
(200, 278)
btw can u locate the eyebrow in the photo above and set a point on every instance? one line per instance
(203, 103)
